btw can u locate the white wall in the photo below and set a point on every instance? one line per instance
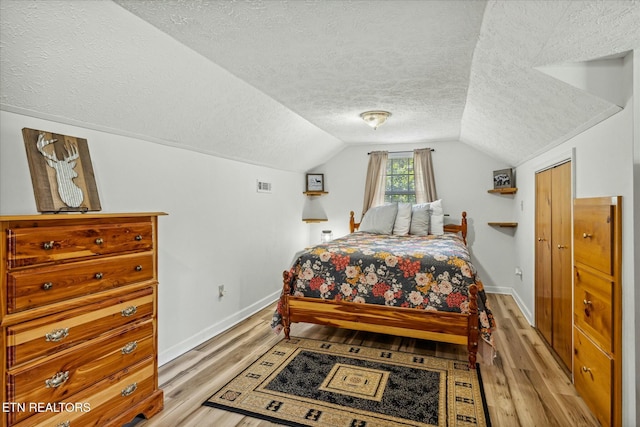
(463, 176)
(219, 229)
(603, 166)
(636, 211)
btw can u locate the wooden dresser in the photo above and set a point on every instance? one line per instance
(597, 243)
(79, 319)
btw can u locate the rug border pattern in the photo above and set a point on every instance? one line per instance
(459, 382)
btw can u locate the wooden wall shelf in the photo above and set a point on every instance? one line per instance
(315, 193)
(503, 224)
(503, 190)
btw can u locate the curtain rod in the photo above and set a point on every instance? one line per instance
(406, 151)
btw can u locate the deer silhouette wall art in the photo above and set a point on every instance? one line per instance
(61, 172)
(70, 193)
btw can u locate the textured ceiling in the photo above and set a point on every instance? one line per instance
(328, 61)
(282, 83)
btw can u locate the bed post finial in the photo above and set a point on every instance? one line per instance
(463, 227)
(353, 225)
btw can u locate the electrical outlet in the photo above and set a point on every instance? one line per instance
(221, 291)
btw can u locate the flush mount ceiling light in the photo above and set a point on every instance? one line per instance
(375, 118)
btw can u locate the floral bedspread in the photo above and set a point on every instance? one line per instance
(423, 272)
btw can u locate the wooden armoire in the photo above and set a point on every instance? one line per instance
(598, 297)
(553, 264)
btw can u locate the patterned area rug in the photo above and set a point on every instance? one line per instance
(304, 382)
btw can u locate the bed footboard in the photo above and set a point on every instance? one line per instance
(455, 328)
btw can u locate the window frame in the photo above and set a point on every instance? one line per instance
(407, 194)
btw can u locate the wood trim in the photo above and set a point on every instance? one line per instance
(76, 216)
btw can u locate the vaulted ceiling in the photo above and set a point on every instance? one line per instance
(282, 83)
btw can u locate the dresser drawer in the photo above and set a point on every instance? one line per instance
(593, 235)
(47, 335)
(593, 307)
(593, 371)
(83, 366)
(101, 402)
(39, 286)
(31, 246)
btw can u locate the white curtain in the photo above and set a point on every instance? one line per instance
(423, 175)
(374, 187)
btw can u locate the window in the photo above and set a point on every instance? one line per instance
(400, 186)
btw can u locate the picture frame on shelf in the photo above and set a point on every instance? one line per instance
(503, 178)
(315, 182)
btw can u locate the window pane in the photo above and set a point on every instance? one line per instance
(400, 185)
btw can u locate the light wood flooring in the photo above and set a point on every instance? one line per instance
(525, 386)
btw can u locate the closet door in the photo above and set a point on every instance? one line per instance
(561, 264)
(553, 266)
(543, 255)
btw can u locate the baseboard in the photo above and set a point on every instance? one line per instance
(210, 332)
(523, 308)
(510, 291)
(498, 290)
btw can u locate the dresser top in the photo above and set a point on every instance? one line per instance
(74, 216)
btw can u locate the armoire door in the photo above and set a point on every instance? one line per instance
(561, 264)
(553, 266)
(543, 255)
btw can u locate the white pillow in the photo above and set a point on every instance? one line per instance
(403, 219)
(437, 218)
(380, 219)
(420, 218)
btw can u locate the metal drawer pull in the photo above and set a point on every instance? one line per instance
(47, 286)
(586, 235)
(585, 369)
(128, 390)
(64, 424)
(586, 302)
(47, 245)
(138, 237)
(562, 247)
(130, 347)
(129, 311)
(98, 276)
(57, 380)
(99, 241)
(57, 335)
(138, 268)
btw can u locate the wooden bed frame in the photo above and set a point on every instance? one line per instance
(440, 326)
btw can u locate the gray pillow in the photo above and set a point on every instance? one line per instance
(380, 219)
(420, 218)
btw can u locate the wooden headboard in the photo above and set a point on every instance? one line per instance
(450, 228)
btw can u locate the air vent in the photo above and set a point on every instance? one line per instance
(264, 187)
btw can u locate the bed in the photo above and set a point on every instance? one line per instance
(419, 286)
